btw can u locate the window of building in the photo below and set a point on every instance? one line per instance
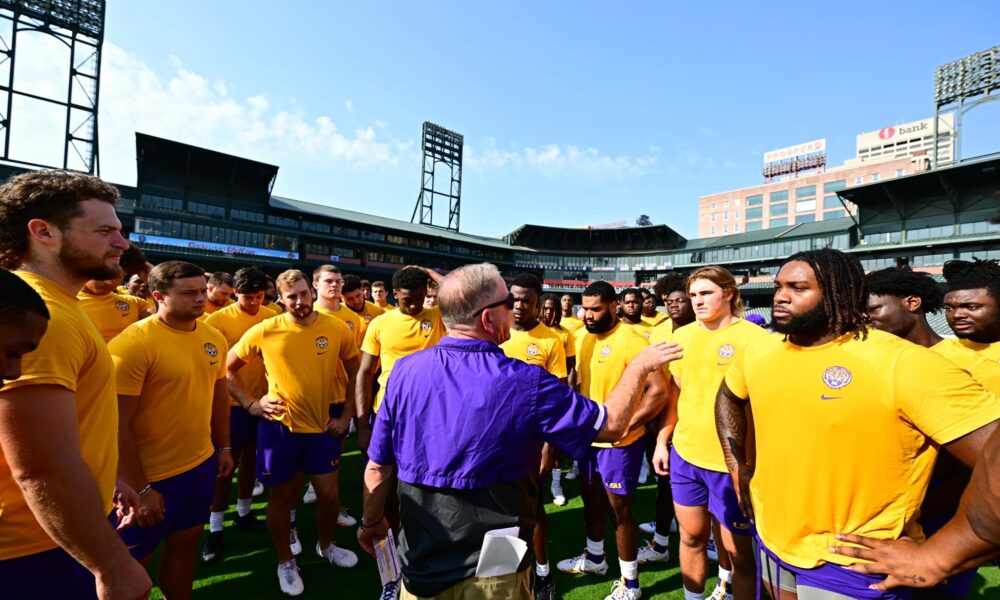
(834, 186)
(282, 221)
(858, 180)
(317, 227)
(754, 226)
(778, 222)
(757, 200)
(805, 206)
(711, 231)
(736, 202)
(711, 217)
(208, 210)
(779, 209)
(804, 219)
(755, 213)
(899, 172)
(736, 227)
(725, 204)
(834, 214)
(713, 206)
(246, 215)
(805, 191)
(725, 216)
(725, 229)
(875, 177)
(832, 201)
(779, 196)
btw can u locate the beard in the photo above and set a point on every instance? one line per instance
(300, 312)
(814, 321)
(87, 266)
(602, 325)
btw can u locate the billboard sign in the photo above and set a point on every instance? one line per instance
(914, 130)
(790, 152)
(142, 238)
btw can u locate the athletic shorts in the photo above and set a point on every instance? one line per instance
(281, 454)
(187, 502)
(825, 582)
(50, 574)
(618, 467)
(695, 486)
(957, 586)
(242, 429)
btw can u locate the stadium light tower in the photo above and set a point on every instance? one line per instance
(962, 85)
(441, 147)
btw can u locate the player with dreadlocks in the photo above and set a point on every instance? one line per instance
(898, 303)
(972, 304)
(848, 422)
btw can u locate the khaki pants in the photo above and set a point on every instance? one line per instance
(506, 587)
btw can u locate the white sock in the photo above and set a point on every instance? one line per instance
(215, 521)
(292, 512)
(556, 475)
(725, 575)
(663, 540)
(243, 506)
(630, 569)
(688, 595)
(595, 548)
(542, 570)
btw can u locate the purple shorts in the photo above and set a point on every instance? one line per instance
(618, 467)
(187, 502)
(828, 576)
(281, 454)
(242, 429)
(694, 486)
(50, 574)
(960, 585)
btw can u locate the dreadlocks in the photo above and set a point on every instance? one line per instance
(901, 283)
(841, 278)
(974, 274)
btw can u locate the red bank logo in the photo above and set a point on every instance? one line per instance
(886, 132)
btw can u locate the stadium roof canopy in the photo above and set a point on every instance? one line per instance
(589, 240)
(817, 228)
(965, 192)
(173, 166)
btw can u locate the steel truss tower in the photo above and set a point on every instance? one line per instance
(441, 147)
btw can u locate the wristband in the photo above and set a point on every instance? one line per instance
(224, 449)
(363, 526)
(143, 491)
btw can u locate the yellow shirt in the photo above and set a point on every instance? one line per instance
(539, 346)
(643, 328)
(173, 373)
(369, 312)
(113, 312)
(210, 306)
(664, 332)
(656, 319)
(71, 355)
(707, 355)
(569, 343)
(984, 370)
(274, 307)
(304, 366)
(232, 322)
(570, 323)
(348, 317)
(394, 335)
(600, 361)
(847, 435)
(385, 308)
(990, 351)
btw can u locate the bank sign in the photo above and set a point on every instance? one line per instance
(813, 147)
(893, 134)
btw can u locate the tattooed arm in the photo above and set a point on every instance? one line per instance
(731, 424)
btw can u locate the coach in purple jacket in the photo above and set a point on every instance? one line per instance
(461, 428)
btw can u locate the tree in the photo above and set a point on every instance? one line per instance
(643, 221)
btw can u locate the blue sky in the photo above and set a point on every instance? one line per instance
(573, 113)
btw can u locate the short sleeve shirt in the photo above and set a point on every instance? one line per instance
(539, 346)
(394, 335)
(112, 313)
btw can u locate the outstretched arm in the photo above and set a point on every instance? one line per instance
(731, 424)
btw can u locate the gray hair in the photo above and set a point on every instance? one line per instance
(463, 291)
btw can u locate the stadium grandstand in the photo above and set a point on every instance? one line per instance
(219, 211)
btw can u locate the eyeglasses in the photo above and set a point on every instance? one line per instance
(508, 302)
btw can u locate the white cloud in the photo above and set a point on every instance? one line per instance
(555, 160)
(349, 105)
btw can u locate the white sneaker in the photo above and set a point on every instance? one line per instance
(620, 591)
(390, 591)
(346, 520)
(310, 496)
(289, 579)
(648, 554)
(581, 564)
(649, 528)
(644, 472)
(341, 557)
(713, 554)
(573, 472)
(258, 488)
(294, 542)
(558, 498)
(721, 592)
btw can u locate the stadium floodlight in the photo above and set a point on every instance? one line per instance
(79, 25)
(964, 84)
(441, 147)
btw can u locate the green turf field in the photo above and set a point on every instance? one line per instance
(248, 570)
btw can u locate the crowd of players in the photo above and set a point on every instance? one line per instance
(789, 456)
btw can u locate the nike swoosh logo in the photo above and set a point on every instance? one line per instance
(718, 364)
(320, 353)
(825, 397)
(214, 362)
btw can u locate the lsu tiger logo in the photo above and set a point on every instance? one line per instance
(727, 351)
(837, 378)
(532, 350)
(425, 327)
(211, 350)
(322, 342)
(605, 351)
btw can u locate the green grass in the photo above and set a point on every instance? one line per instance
(248, 570)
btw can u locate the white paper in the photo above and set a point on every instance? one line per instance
(386, 558)
(501, 553)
